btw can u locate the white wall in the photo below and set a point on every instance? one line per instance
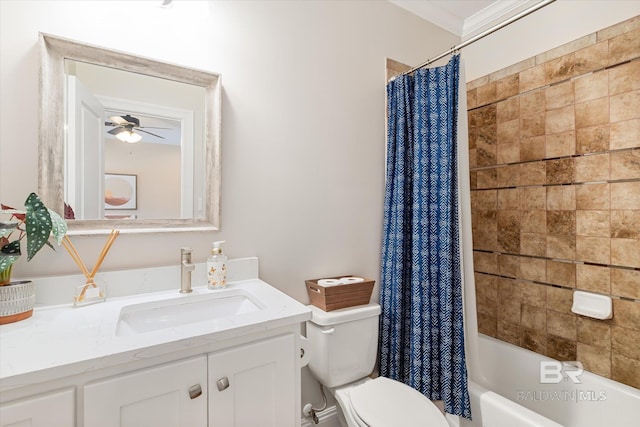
(554, 25)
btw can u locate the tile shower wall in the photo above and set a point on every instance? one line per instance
(554, 148)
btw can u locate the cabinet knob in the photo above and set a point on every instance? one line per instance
(195, 391)
(222, 383)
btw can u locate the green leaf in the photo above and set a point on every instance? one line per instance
(6, 228)
(59, 226)
(9, 254)
(38, 225)
(7, 260)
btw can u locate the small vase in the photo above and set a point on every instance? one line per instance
(16, 301)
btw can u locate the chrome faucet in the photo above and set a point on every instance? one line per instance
(186, 267)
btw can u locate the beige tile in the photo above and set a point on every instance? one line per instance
(508, 86)
(486, 199)
(626, 314)
(624, 78)
(473, 158)
(487, 178)
(509, 109)
(593, 167)
(508, 176)
(473, 180)
(532, 78)
(625, 195)
(559, 95)
(592, 58)
(508, 152)
(533, 125)
(532, 103)
(485, 262)
(534, 318)
(625, 283)
(560, 144)
(624, 47)
(533, 269)
(625, 134)
(534, 294)
(533, 198)
(625, 165)
(487, 325)
(533, 244)
(485, 240)
(486, 94)
(593, 223)
(592, 139)
(509, 300)
(625, 224)
(625, 106)
(509, 231)
(625, 252)
(484, 116)
(472, 100)
(561, 120)
(559, 300)
(594, 333)
(566, 48)
(509, 332)
(561, 246)
(533, 221)
(594, 359)
(534, 173)
(561, 222)
(619, 28)
(560, 348)
(562, 325)
(562, 197)
(561, 171)
(486, 294)
(533, 339)
(532, 148)
(509, 265)
(473, 84)
(593, 278)
(592, 113)
(592, 86)
(625, 370)
(592, 196)
(561, 273)
(509, 198)
(508, 131)
(593, 249)
(560, 69)
(625, 342)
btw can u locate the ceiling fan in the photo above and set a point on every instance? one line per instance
(124, 128)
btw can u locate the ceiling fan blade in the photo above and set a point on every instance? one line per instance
(158, 136)
(115, 130)
(125, 120)
(118, 120)
(150, 127)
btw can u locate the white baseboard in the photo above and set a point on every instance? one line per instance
(326, 418)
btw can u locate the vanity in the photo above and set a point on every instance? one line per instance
(229, 357)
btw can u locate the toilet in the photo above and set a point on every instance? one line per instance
(344, 345)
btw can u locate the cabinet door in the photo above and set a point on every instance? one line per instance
(47, 410)
(254, 385)
(156, 397)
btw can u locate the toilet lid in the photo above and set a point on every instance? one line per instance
(383, 402)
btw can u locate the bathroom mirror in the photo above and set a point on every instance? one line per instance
(168, 180)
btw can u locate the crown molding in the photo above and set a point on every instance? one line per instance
(433, 13)
(496, 12)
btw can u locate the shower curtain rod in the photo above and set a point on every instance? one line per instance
(482, 35)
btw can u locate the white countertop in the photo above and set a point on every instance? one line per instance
(60, 341)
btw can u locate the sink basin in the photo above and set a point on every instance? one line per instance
(184, 310)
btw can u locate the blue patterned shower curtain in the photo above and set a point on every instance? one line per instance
(421, 326)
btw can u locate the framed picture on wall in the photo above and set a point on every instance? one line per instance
(120, 191)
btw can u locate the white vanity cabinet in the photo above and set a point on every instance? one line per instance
(55, 409)
(170, 395)
(254, 385)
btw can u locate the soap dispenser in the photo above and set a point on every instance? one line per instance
(217, 267)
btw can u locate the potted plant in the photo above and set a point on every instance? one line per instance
(36, 224)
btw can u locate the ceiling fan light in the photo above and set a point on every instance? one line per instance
(128, 136)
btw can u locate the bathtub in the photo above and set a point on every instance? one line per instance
(509, 393)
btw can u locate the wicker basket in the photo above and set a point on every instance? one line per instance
(16, 301)
(340, 296)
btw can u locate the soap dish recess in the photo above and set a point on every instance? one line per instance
(592, 305)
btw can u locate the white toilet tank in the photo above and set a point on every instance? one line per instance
(344, 343)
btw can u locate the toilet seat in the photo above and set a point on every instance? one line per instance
(383, 402)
